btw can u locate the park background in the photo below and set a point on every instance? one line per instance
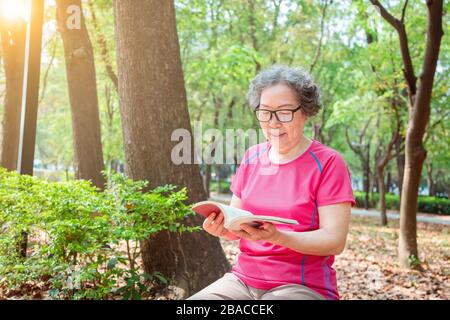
(113, 88)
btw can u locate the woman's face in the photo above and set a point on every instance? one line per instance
(282, 136)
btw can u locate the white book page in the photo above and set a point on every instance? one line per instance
(275, 219)
(235, 223)
(231, 213)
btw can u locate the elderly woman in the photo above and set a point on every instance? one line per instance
(292, 176)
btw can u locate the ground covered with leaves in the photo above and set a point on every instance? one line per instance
(368, 267)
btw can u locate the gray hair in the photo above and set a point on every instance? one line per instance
(297, 79)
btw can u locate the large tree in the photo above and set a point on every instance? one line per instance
(153, 105)
(419, 93)
(13, 34)
(81, 78)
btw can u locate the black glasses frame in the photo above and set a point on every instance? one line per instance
(275, 112)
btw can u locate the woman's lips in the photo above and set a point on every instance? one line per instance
(277, 135)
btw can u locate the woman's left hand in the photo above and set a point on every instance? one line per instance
(266, 232)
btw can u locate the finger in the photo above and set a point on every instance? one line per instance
(218, 229)
(216, 225)
(249, 229)
(241, 233)
(219, 219)
(208, 220)
(237, 233)
(211, 217)
(266, 226)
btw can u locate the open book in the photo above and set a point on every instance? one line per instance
(233, 217)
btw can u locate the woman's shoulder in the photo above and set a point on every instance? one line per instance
(325, 154)
(255, 151)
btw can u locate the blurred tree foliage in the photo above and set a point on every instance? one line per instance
(352, 53)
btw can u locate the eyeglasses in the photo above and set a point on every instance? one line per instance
(282, 115)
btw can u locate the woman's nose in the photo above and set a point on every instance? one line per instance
(274, 121)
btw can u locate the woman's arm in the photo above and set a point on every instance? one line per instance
(328, 240)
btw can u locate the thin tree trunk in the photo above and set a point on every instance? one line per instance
(374, 187)
(363, 153)
(322, 28)
(382, 160)
(13, 46)
(420, 100)
(81, 78)
(389, 181)
(366, 183)
(415, 150)
(430, 180)
(104, 52)
(208, 171)
(382, 193)
(400, 159)
(153, 101)
(219, 180)
(207, 179)
(252, 30)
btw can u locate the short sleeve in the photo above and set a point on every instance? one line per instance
(335, 184)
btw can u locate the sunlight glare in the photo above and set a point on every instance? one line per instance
(14, 10)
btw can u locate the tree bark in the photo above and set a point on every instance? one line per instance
(81, 78)
(430, 180)
(420, 99)
(389, 181)
(382, 193)
(207, 179)
(153, 104)
(400, 159)
(415, 150)
(102, 44)
(363, 153)
(366, 181)
(13, 37)
(382, 161)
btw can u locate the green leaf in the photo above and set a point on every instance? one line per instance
(112, 263)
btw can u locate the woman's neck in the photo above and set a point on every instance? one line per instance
(295, 152)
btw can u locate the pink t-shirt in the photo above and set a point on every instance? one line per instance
(294, 190)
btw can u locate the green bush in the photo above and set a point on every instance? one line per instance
(224, 187)
(75, 232)
(426, 204)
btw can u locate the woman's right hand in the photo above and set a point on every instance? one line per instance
(214, 225)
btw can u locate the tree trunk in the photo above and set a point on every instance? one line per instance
(81, 78)
(415, 156)
(382, 194)
(430, 180)
(400, 158)
(153, 101)
(207, 179)
(366, 180)
(218, 168)
(375, 188)
(381, 161)
(101, 43)
(415, 151)
(389, 181)
(13, 46)
(366, 185)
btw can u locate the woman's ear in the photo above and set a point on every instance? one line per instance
(304, 115)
